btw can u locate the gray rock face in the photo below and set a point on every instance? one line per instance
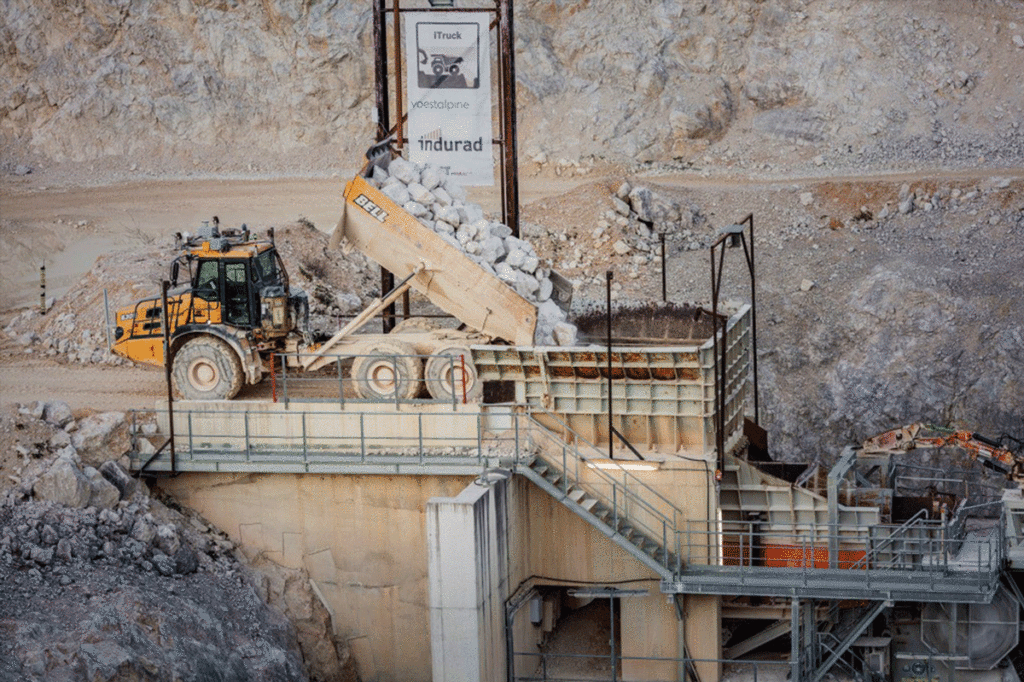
(166, 81)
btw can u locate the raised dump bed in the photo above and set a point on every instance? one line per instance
(375, 225)
(663, 379)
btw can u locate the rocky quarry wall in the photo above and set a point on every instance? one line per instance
(287, 85)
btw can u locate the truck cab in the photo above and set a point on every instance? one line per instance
(236, 307)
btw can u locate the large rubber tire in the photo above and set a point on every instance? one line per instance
(446, 365)
(416, 324)
(207, 368)
(375, 373)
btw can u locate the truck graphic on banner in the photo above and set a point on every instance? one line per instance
(448, 55)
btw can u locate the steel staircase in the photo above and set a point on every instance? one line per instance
(617, 503)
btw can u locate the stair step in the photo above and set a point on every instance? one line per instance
(553, 478)
(576, 494)
(540, 467)
(589, 503)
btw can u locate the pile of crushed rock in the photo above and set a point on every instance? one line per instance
(439, 203)
(105, 581)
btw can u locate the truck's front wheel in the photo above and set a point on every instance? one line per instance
(206, 368)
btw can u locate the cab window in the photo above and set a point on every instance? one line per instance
(207, 281)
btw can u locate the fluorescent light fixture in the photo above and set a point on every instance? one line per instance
(442, 3)
(622, 466)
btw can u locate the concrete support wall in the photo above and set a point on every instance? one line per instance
(467, 564)
(552, 546)
(363, 540)
(369, 543)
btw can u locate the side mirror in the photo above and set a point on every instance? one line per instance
(174, 273)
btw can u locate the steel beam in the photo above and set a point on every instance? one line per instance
(844, 645)
(772, 632)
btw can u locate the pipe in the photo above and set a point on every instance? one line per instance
(167, 373)
(608, 315)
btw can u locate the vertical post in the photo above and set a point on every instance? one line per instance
(664, 277)
(753, 319)
(394, 368)
(510, 151)
(305, 443)
(794, 639)
(42, 289)
(719, 445)
(451, 376)
(167, 371)
(284, 381)
(397, 40)
(341, 384)
(106, 315)
(273, 378)
(615, 672)
(380, 69)
(608, 319)
(465, 398)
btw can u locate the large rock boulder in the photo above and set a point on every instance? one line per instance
(64, 484)
(101, 437)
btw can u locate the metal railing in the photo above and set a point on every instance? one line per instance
(626, 498)
(306, 439)
(330, 440)
(534, 666)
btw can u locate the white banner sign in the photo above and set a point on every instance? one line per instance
(449, 89)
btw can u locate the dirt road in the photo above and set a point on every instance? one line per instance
(68, 227)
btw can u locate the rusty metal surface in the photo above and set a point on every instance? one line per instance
(649, 324)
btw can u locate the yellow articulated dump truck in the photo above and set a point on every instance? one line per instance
(237, 310)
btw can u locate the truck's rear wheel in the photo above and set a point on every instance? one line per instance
(416, 324)
(389, 369)
(448, 370)
(206, 368)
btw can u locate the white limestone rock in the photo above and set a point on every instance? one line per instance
(492, 248)
(403, 170)
(448, 214)
(421, 194)
(505, 272)
(501, 231)
(379, 175)
(442, 196)
(397, 192)
(515, 257)
(564, 334)
(416, 209)
(430, 177)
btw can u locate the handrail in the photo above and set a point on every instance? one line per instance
(891, 538)
(610, 480)
(577, 437)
